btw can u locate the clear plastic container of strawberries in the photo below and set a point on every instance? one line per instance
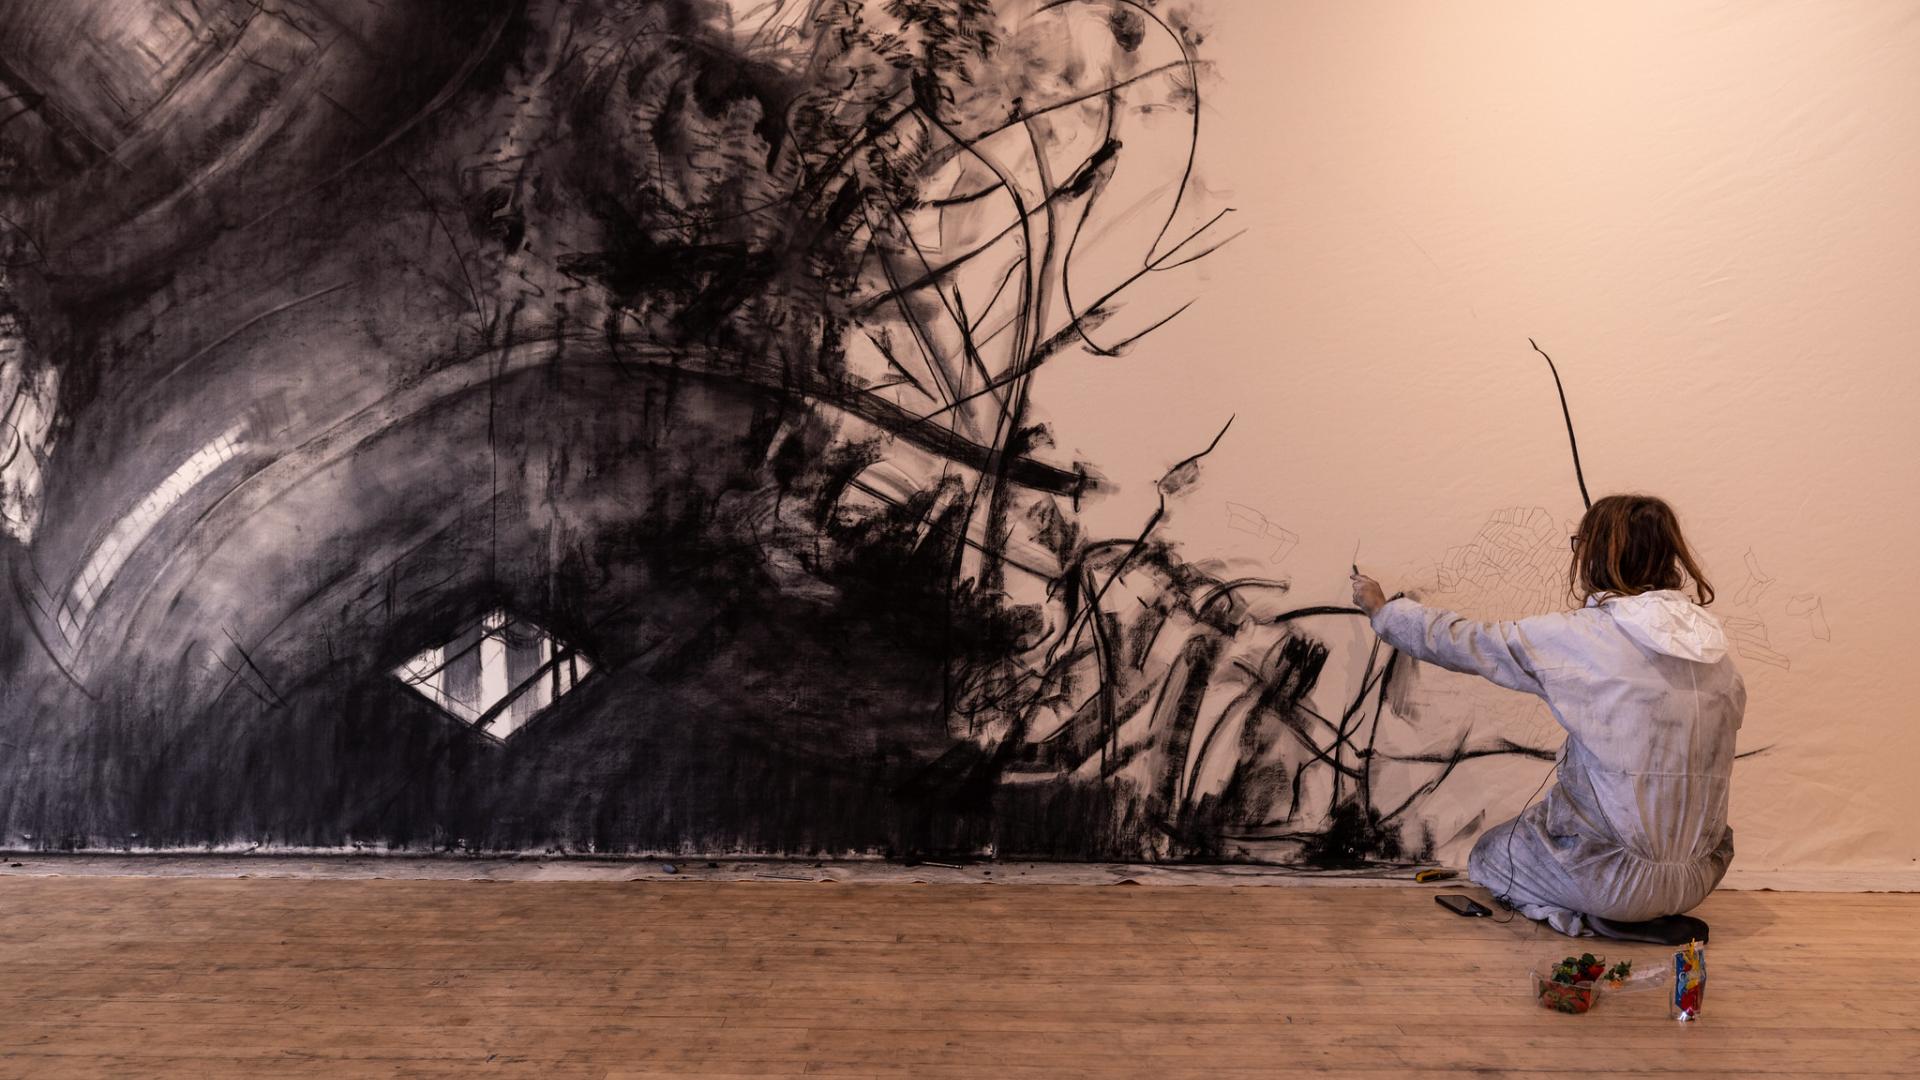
(1573, 984)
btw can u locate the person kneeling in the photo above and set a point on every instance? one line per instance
(1634, 831)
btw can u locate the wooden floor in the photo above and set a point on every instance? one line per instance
(225, 978)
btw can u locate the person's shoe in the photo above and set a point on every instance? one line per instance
(1665, 930)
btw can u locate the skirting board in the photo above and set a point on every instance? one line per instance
(846, 870)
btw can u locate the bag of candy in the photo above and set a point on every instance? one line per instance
(1689, 981)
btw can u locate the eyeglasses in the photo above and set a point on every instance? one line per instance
(1574, 541)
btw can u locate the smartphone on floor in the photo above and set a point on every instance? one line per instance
(1462, 905)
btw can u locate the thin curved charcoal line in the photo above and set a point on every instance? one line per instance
(233, 679)
(929, 351)
(1510, 748)
(1023, 216)
(1139, 542)
(1031, 308)
(1162, 265)
(940, 273)
(19, 445)
(886, 352)
(242, 327)
(1379, 707)
(25, 109)
(1293, 806)
(460, 256)
(998, 290)
(1451, 763)
(1228, 588)
(1191, 66)
(959, 318)
(1311, 612)
(1121, 346)
(1153, 522)
(1346, 717)
(1450, 760)
(1020, 116)
(1083, 179)
(1057, 342)
(32, 240)
(962, 200)
(1095, 189)
(1572, 442)
(1109, 678)
(1369, 683)
(1318, 715)
(279, 702)
(969, 346)
(1320, 754)
(1042, 294)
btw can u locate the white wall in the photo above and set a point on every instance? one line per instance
(1708, 212)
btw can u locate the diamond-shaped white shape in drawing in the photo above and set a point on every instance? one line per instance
(497, 674)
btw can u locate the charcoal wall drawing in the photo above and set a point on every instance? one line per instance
(621, 426)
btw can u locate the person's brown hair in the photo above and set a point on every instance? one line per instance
(1631, 544)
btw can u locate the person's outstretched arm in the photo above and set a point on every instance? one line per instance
(1497, 651)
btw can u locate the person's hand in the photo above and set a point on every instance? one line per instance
(1367, 594)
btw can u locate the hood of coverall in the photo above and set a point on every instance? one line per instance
(1669, 622)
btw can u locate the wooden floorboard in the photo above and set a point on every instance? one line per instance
(208, 978)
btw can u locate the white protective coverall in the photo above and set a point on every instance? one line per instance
(1636, 825)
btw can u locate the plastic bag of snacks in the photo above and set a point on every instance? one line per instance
(1571, 985)
(1689, 981)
